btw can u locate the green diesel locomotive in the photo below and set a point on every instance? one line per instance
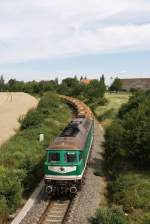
(67, 157)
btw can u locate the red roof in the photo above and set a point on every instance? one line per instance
(86, 81)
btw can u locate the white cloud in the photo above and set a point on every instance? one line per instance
(32, 29)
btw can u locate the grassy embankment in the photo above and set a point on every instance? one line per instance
(22, 157)
(107, 113)
(126, 150)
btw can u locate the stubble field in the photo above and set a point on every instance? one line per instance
(12, 106)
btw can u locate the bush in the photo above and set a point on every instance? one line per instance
(109, 216)
(32, 119)
(10, 188)
(115, 152)
(48, 104)
(147, 221)
(49, 100)
(132, 191)
(107, 114)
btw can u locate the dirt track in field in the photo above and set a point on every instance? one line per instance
(12, 105)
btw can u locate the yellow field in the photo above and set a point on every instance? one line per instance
(12, 105)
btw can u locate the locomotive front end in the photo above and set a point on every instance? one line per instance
(62, 171)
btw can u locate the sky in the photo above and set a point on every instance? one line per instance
(43, 39)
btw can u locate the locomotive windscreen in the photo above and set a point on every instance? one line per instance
(54, 157)
(70, 157)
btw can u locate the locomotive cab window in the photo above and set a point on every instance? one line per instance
(54, 157)
(70, 157)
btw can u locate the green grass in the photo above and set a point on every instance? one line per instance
(108, 112)
(109, 216)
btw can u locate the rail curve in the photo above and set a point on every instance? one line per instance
(54, 209)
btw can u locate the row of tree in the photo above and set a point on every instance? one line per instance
(91, 93)
(74, 85)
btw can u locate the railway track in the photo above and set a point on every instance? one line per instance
(58, 208)
(56, 211)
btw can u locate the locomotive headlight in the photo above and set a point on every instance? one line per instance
(62, 169)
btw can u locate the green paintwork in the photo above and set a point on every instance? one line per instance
(80, 162)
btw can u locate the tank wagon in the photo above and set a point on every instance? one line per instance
(67, 156)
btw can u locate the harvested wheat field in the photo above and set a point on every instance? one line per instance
(12, 106)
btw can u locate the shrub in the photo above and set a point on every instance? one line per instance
(49, 100)
(115, 152)
(132, 191)
(32, 119)
(147, 221)
(109, 216)
(10, 188)
(107, 114)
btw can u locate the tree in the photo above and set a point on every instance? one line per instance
(102, 83)
(81, 78)
(116, 85)
(102, 78)
(75, 77)
(2, 83)
(11, 84)
(56, 80)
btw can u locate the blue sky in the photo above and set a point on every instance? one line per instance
(45, 39)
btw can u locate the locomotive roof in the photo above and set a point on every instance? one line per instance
(73, 137)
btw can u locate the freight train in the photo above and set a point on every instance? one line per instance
(67, 156)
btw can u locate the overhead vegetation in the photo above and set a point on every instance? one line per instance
(22, 157)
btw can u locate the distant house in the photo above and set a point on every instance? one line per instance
(137, 83)
(86, 81)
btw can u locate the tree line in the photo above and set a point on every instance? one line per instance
(91, 93)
